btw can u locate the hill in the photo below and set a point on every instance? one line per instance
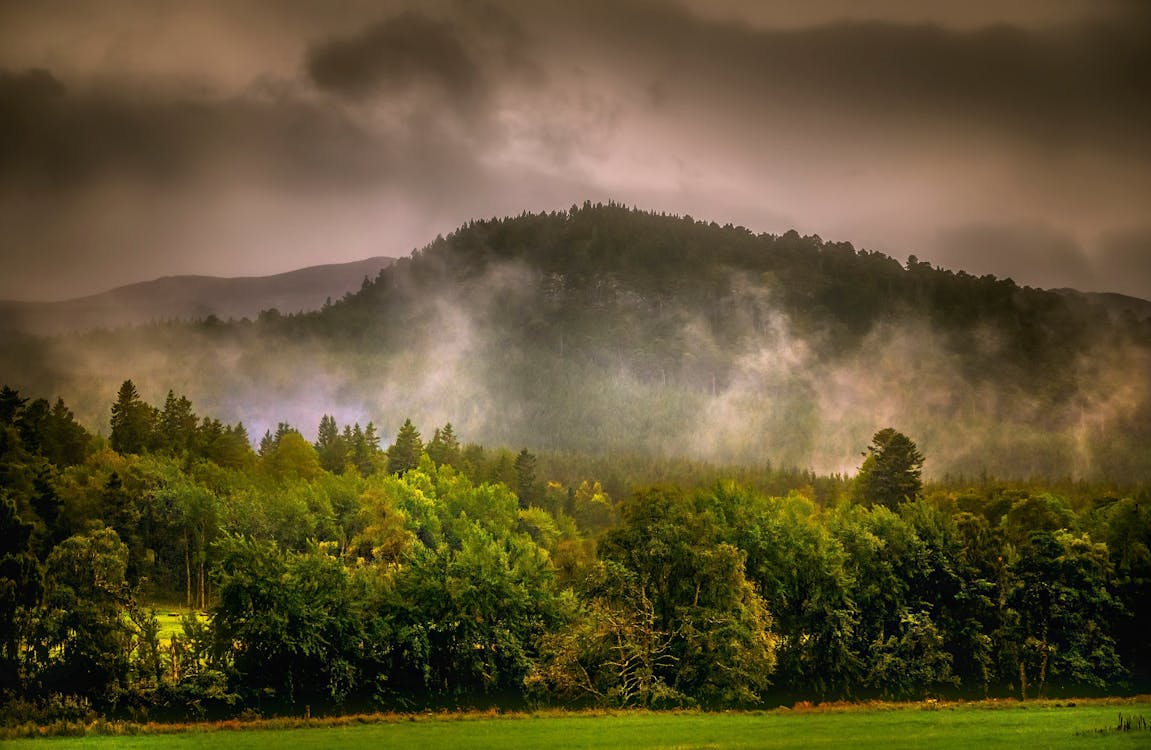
(192, 298)
(606, 330)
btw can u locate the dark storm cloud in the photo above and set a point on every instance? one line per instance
(1057, 86)
(393, 55)
(888, 124)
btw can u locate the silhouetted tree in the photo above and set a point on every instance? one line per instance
(892, 471)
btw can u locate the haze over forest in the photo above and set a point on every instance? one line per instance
(1007, 139)
(604, 329)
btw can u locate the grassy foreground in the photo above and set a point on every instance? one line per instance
(985, 725)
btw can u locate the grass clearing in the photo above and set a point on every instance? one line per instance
(169, 617)
(1048, 725)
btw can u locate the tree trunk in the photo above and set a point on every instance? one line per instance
(188, 568)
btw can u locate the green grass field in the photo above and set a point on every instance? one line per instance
(168, 616)
(1048, 727)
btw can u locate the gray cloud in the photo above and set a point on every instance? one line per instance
(388, 57)
(891, 124)
(1124, 260)
(1033, 255)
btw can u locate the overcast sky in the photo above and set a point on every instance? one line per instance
(241, 137)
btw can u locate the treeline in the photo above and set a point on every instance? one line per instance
(338, 574)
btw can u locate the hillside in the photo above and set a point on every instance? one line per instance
(607, 330)
(192, 298)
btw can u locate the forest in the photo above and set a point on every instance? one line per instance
(352, 571)
(606, 331)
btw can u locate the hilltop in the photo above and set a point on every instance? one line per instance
(604, 329)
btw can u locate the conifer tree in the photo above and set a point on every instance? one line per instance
(132, 421)
(525, 477)
(331, 446)
(892, 471)
(444, 448)
(405, 452)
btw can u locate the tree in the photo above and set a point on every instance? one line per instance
(11, 404)
(330, 445)
(404, 454)
(19, 589)
(892, 471)
(177, 424)
(293, 458)
(65, 442)
(84, 641)
(132, 421)
(721, 651)
(525, 478)
(444, 447)
(1063, 612)
(288, 624)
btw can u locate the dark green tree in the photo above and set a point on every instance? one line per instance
(892, 472)
(176, 429)
(19, 590)
(84, 641)
(404, 454)
(330, 445)
(444, 447)
(11, 404)
(132, 421)
(525, 478)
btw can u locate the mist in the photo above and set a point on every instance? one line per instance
(444, 343)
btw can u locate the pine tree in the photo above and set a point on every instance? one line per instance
(132, 421)
(177, 425)
(331, 446)
(892, 472)
(405, 452)
(525, 477)
(444, 448)
(10, 405)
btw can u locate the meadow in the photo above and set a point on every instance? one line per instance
(1049, 725)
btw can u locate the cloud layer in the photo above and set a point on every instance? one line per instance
(253, 137)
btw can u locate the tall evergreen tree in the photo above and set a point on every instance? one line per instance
(330, 445)
(132, 421)
(892, 472)
(10, 405)
(444, 448)
(177, 425)
(525, 478)
(405, 452)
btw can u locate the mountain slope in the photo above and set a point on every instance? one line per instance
(192, 298)
(606, 330)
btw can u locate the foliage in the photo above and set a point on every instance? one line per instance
(892, 471)
(479, 576)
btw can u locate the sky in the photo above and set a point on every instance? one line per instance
(244, 137)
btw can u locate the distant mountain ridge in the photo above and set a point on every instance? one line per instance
(193, 297)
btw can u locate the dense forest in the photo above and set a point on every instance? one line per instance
(607, 331)
(748, 469)
(343, 572)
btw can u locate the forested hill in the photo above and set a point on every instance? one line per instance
(604, 330)
(695, 337)
(594, 272)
